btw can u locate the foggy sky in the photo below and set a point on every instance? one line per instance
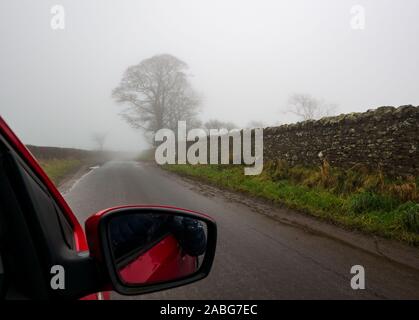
(245, 58)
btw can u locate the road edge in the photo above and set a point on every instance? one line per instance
(391, 250)
(68, 182)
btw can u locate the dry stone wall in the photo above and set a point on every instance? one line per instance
(386, 137)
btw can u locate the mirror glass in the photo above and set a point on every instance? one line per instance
(156, 247)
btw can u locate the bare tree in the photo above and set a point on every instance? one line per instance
(307, 107)
(158, 94)
(100, 138)
(217, 124)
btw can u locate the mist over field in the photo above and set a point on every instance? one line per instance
(245, 58)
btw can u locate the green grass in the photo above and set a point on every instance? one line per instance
(362, 210)
(58, 169)
(365, 202)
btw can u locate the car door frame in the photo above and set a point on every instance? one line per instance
(83, 278)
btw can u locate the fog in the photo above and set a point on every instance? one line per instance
(245, 57)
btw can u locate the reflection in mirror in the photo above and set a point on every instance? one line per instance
(156, 247)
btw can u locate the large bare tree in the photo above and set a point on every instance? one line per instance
(307, 107)
(158, 94)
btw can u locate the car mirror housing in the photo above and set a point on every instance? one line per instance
(151, 248)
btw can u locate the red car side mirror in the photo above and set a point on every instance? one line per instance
(151, 248)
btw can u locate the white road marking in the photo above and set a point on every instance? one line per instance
(91, 169)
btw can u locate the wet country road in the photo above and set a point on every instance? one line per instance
(257, 257)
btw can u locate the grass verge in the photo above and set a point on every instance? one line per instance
(58, 169)
(361, 209)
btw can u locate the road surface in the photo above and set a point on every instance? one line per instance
(257, 257)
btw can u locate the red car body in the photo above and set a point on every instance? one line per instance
(163, 262)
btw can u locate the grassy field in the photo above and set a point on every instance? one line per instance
(58, 169)
(360, 201)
